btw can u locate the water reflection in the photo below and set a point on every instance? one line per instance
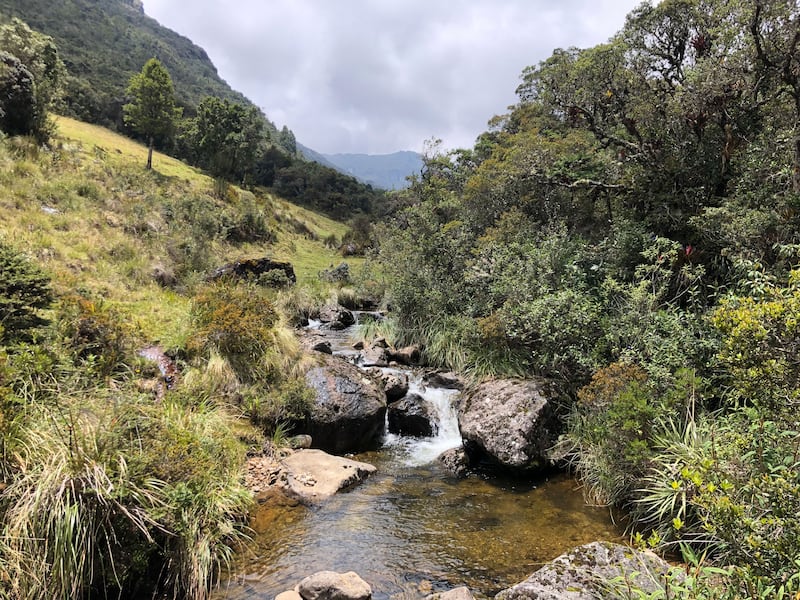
(412, 530)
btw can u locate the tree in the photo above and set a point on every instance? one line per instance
(152, 111)
(227, 137)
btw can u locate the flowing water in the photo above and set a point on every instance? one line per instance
(411, 528)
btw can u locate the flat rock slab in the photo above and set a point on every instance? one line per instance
(314, 475)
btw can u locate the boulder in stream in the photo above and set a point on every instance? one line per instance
(374, 356)
(585, 573)
(329, 585)
(407, 355)
(511, 422)
(455, 461)
(333, 313)
(314, 475)
(443, 379)
(412, 415)
(459, 593)
(349, 407)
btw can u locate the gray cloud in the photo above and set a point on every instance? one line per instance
(378, 76)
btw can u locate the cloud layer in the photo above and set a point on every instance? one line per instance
(377, 76)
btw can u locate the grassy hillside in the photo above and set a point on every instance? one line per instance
(105, 475)
(91, 215)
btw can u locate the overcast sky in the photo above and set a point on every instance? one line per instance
(377, 76)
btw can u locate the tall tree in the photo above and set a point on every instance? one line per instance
(151, 111)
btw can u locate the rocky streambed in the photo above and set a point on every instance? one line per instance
(406, 522)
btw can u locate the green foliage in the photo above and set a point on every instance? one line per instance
(288, 402)
(99, 338)
(33, 86)
(151, 111)
(760, 342)
(24, 291)
(225, 137)
(17, 97)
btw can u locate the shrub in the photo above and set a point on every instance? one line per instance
(237, 321)
(18, 106)
(112, 490)
(24, 290)
(98, 337)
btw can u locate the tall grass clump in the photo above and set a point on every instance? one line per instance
(117, 496)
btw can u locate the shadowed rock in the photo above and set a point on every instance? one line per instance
(412, 415)
(253, 267)
(349, 407)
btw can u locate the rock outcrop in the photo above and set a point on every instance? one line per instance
(585, 573)
(412, 415)
(253, 267)
(349, 407)
(510, 422)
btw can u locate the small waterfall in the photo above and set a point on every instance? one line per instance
(411, 451)
(421, 451)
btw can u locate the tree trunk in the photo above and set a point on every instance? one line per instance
(150, 154)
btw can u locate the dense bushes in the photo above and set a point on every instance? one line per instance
(623, 230)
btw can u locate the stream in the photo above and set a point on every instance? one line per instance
(412, 528)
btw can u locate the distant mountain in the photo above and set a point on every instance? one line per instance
(386, 171)
(315, 156)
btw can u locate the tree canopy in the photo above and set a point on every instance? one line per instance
(152, 111)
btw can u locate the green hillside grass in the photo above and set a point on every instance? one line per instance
(93, 217)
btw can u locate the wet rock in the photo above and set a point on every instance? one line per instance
(455, 461)
(412, 415)
(443, 379)
(323, 346)
(358, 345)
(380, 343)
(375, 357)
(313, 475)
(584, 573)
(408, 355)
(511, 422)
(329, 585)
(333, 313)
(396, 385)
(459, 593)
(349, 407)
(253, 267)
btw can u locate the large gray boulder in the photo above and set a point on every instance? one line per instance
(329, 585)
(412, 415)
(590, 572)
(511, 422)
(349, 408)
